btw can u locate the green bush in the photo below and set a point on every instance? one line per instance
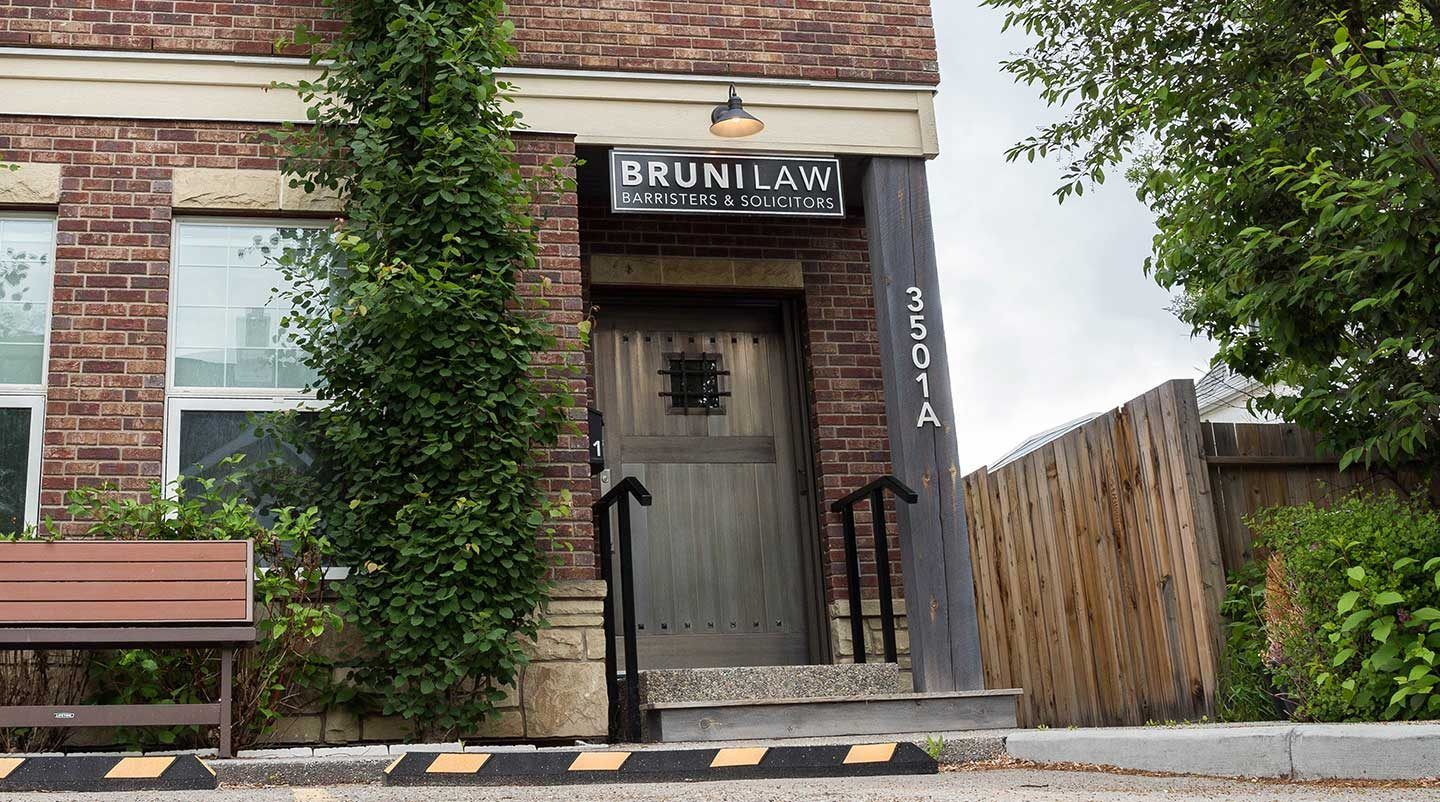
(1356, 616)
(443, 383)
(276, 677)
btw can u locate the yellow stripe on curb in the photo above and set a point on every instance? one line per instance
(729, 758)
(870, 753)
(393, 764)
(207, 768)
(599, 761)
(139, 768)
(454, 763)
(9, 764)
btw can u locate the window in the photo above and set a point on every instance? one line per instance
(27, 246)
(233, 365)
(27, 259)
(228, 308)
(21, 421)
(694, 383)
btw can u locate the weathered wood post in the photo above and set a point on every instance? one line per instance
(934, 546)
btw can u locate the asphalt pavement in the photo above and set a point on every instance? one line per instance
(1007, 785)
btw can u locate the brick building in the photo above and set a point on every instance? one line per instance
(767, 338)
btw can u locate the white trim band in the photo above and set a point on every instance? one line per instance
(598, 108)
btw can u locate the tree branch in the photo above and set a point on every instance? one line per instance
(1433, 6)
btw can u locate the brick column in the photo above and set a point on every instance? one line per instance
(558, 282)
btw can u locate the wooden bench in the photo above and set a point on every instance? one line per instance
(89, 595)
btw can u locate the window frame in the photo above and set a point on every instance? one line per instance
(34, 402)
(39, 389)
(33, 396)
(239, 393)
(181, 399)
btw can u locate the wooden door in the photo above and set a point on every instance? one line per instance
(700, 405)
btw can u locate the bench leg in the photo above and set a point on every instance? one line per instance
(227, 678)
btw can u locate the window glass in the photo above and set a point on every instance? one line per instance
(26, 273)
(14, 467)
(273, 468)
(227, 285)
(695, 382)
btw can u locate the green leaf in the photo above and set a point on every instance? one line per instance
(1389, 598)
(1341, 657)
(1347, 602)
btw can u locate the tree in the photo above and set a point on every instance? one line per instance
(1287, 148)
(433, 415)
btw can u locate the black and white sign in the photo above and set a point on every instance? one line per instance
(708, 183)
(597, 441)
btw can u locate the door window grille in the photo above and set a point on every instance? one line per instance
(694, 384)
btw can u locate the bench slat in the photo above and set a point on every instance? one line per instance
(121, 572)
(164, 551)
(13, 612)
(123, 591)
(123, 637)
(109, 715)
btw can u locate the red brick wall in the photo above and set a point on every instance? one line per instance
(558, 286)
(106, 386)
(859, 40)
(841, 348)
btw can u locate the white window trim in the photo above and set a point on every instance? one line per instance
(36, 405)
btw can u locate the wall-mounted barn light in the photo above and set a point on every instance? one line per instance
(732, 121)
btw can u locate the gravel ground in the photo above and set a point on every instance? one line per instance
(999, 785)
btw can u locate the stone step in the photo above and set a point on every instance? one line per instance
(768, 682)
(817, 717)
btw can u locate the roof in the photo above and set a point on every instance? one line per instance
(1222, 386)
(1041, 440)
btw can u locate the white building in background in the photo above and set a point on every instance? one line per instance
(1224, 397)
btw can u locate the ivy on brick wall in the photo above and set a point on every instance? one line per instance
(434, 413)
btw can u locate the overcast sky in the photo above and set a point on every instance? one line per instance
(1048, 312)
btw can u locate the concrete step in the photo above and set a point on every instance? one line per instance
(768, 682)
(814, 717)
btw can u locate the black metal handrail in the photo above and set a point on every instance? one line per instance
(619, 497)
(875, 492)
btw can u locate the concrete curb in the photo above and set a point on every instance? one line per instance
(1366, 751)
(1289, 751)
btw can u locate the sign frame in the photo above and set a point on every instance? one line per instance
(617, 208)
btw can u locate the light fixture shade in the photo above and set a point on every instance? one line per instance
(732, 121)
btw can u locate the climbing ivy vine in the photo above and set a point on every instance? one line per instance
(432, 416)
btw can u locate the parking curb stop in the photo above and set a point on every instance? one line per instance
(98, 773)
(661, 765)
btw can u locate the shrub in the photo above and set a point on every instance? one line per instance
(1354, 608)
(437, 410)
(278, 675)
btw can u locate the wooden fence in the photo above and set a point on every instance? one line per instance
(1100, 557)
(1098, 570)
(1258, 466)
